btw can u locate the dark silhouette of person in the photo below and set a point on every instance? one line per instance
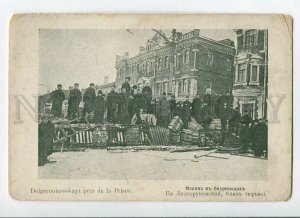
(75, 97)
(57, 97)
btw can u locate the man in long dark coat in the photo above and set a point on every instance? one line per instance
(196, 107)
(126, 85)
(207, 98)
(57, 97)
(164, 111)
(244, 137)
(172, 106)
(157, 111)
(112, 105)
(99, 108)
(234, 120)
(147, 91)
(224, 112)
(179, 109)
(140, 102)
(262, 135)
(125, 108)
(246, 119)
(88, 99)
(186, 117)
(204, 117)
(75, 97)
(46, 134)
(259, 137)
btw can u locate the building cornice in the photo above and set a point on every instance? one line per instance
(183, 44)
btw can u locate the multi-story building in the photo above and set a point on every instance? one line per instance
(251, 72)
(184, 65)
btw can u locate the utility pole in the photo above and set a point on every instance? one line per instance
(172, 44)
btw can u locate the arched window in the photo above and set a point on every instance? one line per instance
(147, 67)
(185, 85)
(251, 38)
(186, 57)
(159, 64)
(210, 59)
(166, 62)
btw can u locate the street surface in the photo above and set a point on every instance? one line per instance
(102, 164)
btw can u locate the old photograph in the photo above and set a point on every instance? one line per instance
(162, 104)
(130, 108)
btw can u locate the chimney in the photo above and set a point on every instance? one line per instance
(126, 54)
(105, 79)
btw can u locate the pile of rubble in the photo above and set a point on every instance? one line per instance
(108, 135)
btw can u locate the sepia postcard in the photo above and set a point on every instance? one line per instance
(153, 107)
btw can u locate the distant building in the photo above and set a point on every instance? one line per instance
(184, 65)
(251, 72)
(106, 88)
(105, 80)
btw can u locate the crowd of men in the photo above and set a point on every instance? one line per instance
(132, 101)
(121, 107)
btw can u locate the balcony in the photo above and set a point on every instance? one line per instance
(247, 90)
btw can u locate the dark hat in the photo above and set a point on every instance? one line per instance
(59, 85)
(100, 92)
(92, 84)
(76, 84)
(134, 86)
(128, 77)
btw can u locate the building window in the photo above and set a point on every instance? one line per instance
(151, 66)
(159, 63)
(147, 67)
(254, 74)
(161, 88)
(210, 59)
(228, 65)
(251, 38)
(186, 57)
(166, 62)
(185, 85)
(179, 86)
(189, 86)
(178, 62)
(165, 87)
(137, 67)
(241, 74)
(132, 70)
(175, 62)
